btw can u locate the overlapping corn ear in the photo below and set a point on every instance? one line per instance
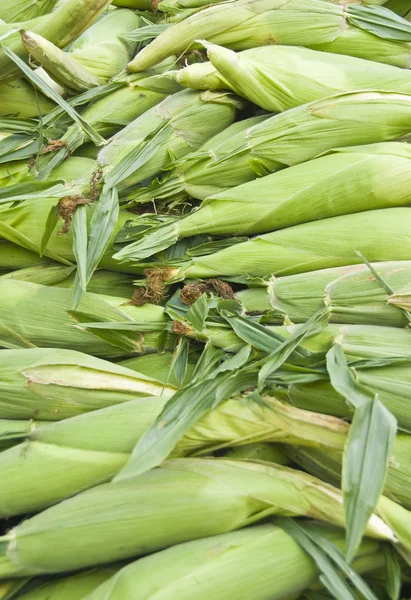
(178, 125)
(21, 10)
(380, 235)
(292, 22)
(187, 498)
(62, 26)
(72, 587)
(278, 78)
(36, 315)
(344, 181)
(96, 56)
(51, 384)
(19, 99)
(261, 145)
(351, 294)
(326, 464)
(270, 562)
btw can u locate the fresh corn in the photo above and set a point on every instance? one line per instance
(182, 500)
(351, 295)
(343, 182)
(20, 10)
(71, 587)
(62, 26)
(380, 235)
(258, 563)
(52, 384)
(249, 23)
(326, 465)
(178, 125)
(158, 366)
(261, 145)
(96, 56)
(278, 78)
(19, 99)
(98, 444)
(16, 257)
(36, 315)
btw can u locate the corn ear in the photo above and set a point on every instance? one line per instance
(13, 257)
(53, 384)
(351, 294)
(178, 125)
(380, 235)
(261, 75)
(292, 23)
(21, 10)
(19, 99)
(184, 496)
(265, 554)
(158, 366)
(262, 145)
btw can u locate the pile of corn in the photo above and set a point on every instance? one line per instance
(205, 299)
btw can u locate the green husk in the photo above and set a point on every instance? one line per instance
(178, 125)
(380, 235)
(159, 366)
(259, 451)
(61, 27)
(250, 23)
(351, 294)
(95, 57)
(19, 99)
(401, 298)
(71, 587)
(401, 7)
(36, 315)
(344, 181)
(257, 563)
(187, 498)
(12, 10)
(97, 445)
(326, 465)
(278, 78)
(261, 145)
(16, 257)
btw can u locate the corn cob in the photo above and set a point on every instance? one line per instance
(61, 27)
(179, 124)
(53, 384)
(187, 498)
(344, 181)
(351, 295)
(292, 22)
(18, 98)
(261, 145)
(98, 444)
(326, 465)
(25, 9)
(96, 56)
(391, 383)
(25, 328)
(380, 235)
(278, 78)
(232, 565)
(71, 587)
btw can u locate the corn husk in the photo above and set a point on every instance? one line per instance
(19, 99)
(326, 465)
(343, 182)
(36, 315)
(259, 451)
(261, 145)
(52, 384)
(21, 10)
(232, 565)
(72, 587)
(278, 78)
(178, 125)
(380, 235)
(401, 298)
(187, 499)
(95, 57)
(159, 366)
(401, 7)
(61, 27)
(98, 444)
(16, 257)
(250, 23)
(351, 294)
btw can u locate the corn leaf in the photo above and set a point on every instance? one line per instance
(79, 225)
(393, 573)
(51, 222)
(129, 341)
(380, 21)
